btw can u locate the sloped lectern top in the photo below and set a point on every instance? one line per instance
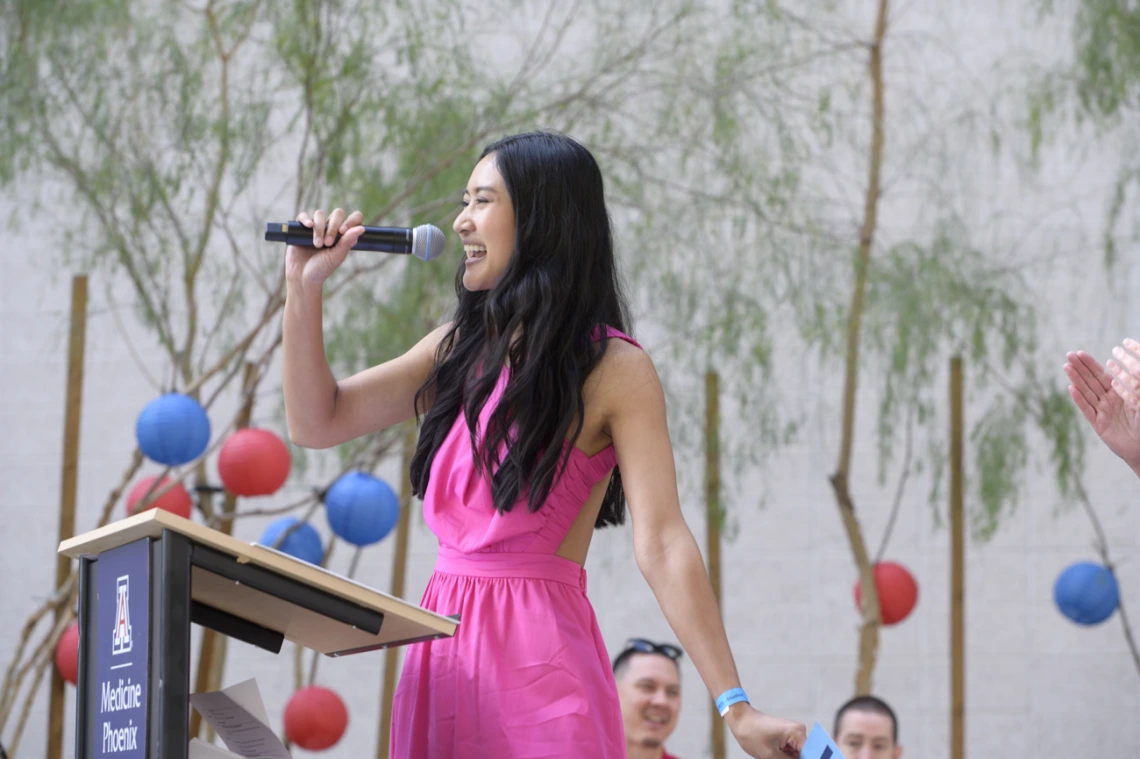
(403, 622)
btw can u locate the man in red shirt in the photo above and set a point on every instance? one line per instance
(649, 686)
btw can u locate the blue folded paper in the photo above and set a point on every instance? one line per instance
(820, 746)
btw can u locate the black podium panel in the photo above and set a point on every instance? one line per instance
(133, 683)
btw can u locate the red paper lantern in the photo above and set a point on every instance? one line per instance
(315, 718)
(67, 654)
(175, 500)
(253, 462)
(898, 592)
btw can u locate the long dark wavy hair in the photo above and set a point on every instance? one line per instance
(561, 283)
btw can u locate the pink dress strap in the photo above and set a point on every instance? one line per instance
(596, 334)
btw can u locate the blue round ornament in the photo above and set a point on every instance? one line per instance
(173, 429)
(361, 509)
(303, 543)
(1086, 593)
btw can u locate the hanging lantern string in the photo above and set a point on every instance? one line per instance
(238, 351)
(175, 473)
(371, 452)
(369, 455)
(355, 562)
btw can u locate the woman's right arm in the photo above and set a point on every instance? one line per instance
(320, 411)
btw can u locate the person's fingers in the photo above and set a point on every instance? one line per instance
(1088, 411)
(1084, 379)
(344, 245)
(332, 229)
(1123, 387)
(1125, 378)
(319, 224)
(1127, 360)
(1126, 396)
(337, 253)
(349, 237)
(1095, 370)
(305, 219)
(356, 218)
(1075, 376)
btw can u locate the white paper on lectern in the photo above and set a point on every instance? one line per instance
(238, 716)
(247, 695)
(199, 749)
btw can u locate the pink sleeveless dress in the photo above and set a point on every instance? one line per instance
(527, 674)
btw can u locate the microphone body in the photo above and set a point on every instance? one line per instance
(425, 242)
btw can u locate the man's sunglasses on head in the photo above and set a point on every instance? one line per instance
(643, 646)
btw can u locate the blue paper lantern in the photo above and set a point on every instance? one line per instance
(173, 429)
(303, 543)
(1086, 593)
(361, 509)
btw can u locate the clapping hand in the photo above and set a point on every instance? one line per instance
(1110, 399)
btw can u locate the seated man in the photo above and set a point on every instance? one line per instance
(866, 728)
(649, 687)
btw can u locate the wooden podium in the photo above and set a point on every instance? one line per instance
(143, 580)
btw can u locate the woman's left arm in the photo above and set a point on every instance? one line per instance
(667, 554)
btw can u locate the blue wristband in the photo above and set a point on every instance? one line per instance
(728, 698)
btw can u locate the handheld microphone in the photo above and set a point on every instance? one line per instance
(425, 242)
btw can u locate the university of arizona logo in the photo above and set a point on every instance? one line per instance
(121, 637)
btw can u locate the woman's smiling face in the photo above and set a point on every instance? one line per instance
(486, 225)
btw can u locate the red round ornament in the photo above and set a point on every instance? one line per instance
(67, 654)
(175, 500)
(898, 592)
(315, 718)
(253, 462)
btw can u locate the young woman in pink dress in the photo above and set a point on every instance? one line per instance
(540, 420)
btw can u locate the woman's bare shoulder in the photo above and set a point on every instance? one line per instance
(623, 369)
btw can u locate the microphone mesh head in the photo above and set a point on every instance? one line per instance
(427, 242)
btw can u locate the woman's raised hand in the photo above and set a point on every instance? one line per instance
(310, 267)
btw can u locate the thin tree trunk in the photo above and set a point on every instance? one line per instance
(212, 651)
(399, 575)
(714, 516)
(957, 567)
(869, 635)
(68, 486)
